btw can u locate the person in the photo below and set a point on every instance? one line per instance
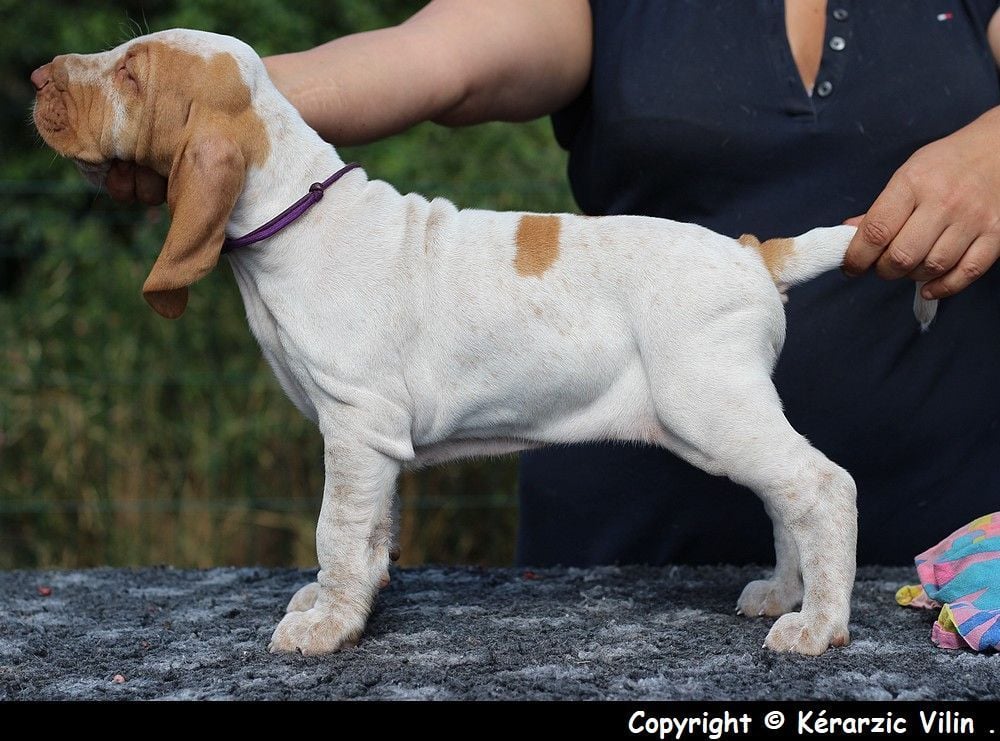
(767, 117)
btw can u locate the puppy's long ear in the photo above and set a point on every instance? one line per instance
(205, 181)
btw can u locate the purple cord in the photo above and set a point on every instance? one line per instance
(290, 214)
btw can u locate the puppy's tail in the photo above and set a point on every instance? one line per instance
(798, 259)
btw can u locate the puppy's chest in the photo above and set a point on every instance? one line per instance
(329, 361)
(290, 370)
(276, 346)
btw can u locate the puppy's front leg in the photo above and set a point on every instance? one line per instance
(352, 544)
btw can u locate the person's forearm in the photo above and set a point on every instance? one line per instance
(454, 62)
(363, 87)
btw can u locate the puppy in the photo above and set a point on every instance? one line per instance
(412, 332)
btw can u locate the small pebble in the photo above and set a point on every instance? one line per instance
(119, 679)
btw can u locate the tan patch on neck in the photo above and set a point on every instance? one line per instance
(537, 244)
(774, 252)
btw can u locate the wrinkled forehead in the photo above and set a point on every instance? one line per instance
(202, 44)
(181, 46)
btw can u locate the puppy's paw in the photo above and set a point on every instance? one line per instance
(304, 599)
(769, 597)
(315, 632)
(797, 634)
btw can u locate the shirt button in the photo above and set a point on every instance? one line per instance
(840, 14)
(824, 88)
(837, 43)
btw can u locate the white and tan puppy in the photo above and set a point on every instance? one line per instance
(413, 332)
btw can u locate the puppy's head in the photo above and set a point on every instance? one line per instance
(180, 102)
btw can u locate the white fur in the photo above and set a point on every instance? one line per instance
(402, 328)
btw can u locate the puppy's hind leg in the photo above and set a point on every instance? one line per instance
(818, 506)
(724, 416)
(783, 591)
(812, 503)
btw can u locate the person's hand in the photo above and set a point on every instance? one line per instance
(128, 182)
(938, 219)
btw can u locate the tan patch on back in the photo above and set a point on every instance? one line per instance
(774, 252)
(537, 241)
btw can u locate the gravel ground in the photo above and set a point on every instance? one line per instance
(455, 633)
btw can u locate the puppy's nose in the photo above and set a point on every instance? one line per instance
(42, 76)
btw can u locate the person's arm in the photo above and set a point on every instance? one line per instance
(938, 219)
(455, 62)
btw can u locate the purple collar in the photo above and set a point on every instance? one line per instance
(290, 214)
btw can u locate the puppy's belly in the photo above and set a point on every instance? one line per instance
(563, 409)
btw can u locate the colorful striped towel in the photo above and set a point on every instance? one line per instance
(961, 575)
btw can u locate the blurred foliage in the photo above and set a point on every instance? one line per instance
(128, 439)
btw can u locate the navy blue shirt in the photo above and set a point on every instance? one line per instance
(696, 112)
